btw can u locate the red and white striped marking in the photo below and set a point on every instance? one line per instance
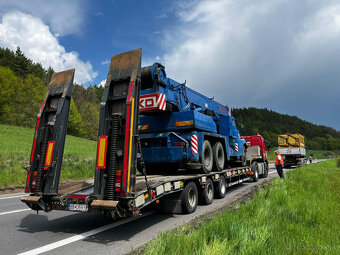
(161, 102)
(194, 144)
(289, 150)
(153, 101)
(236, 146)
(229, 111)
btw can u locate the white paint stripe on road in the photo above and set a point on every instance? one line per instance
(75, 238)
(1, 198)
(15, 211)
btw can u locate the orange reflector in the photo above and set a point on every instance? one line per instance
(143, 127)
(157, 201)
(49, 153)
(101, 152)
(184, 123)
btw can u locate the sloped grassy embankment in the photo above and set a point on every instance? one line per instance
(297, 215)
(15, 149)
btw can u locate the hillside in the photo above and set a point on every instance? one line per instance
(15, 149)
(270, 124)
(23, 84)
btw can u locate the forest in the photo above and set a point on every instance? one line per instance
(23, 85)
(269, 124)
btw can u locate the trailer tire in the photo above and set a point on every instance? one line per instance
(207, 157)
(265, 174)
(255, 170)
(189, 198)
(207, 193)
(218, 154)
(220, 188)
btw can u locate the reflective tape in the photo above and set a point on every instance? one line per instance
(194, 144)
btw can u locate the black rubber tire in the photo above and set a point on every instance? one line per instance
(207, 157)
(206, 195)
(218, 154)
(220, 188)
(256, 172)
(265, 174)
(189, 198)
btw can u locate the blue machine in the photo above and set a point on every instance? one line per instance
(181, 128)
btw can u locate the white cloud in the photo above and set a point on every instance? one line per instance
(62, 16)
(247, 53)
(38, 43)
(102, 83)
(105, 62)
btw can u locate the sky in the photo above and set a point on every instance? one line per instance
(282, 55)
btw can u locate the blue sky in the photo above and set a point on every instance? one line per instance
(111, 27)
(276, 54)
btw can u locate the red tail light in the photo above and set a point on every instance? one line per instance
(180, 144)
(34, 182)
(118, 182)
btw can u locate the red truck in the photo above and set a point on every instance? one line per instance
(257, 155)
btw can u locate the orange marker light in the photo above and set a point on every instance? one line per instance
(101, 152)
(184, 123)
(49, 153)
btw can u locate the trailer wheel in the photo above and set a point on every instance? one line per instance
(265, 173)
(207, 157)
(218, 154)
(189, 198)
(220, 188)
(256, 171)
(207, 194)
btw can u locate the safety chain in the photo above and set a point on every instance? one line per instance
(142, 163)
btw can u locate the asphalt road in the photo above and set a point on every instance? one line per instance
(59, 232)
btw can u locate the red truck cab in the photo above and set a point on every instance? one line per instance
(257, 155)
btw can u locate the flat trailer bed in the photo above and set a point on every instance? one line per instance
(81, 198)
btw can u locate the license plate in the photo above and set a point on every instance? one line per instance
(77, 207)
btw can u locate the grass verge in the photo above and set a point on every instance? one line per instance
(297, 215)
(15, 149)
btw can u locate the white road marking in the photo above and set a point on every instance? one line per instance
(1, 198)
(75, 238)
(15, 211)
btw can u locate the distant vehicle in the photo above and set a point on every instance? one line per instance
(292, 148)
(257, 155)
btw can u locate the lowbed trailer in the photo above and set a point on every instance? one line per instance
(117, 191)
(174, 193)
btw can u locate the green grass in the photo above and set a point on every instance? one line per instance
(323, 154)
(296, 215)
(338, 162)
(15, 149)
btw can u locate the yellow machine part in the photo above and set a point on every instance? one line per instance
(294, 140)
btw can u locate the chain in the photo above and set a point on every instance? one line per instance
(142, 163)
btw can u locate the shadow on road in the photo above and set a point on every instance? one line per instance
(78, 223)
